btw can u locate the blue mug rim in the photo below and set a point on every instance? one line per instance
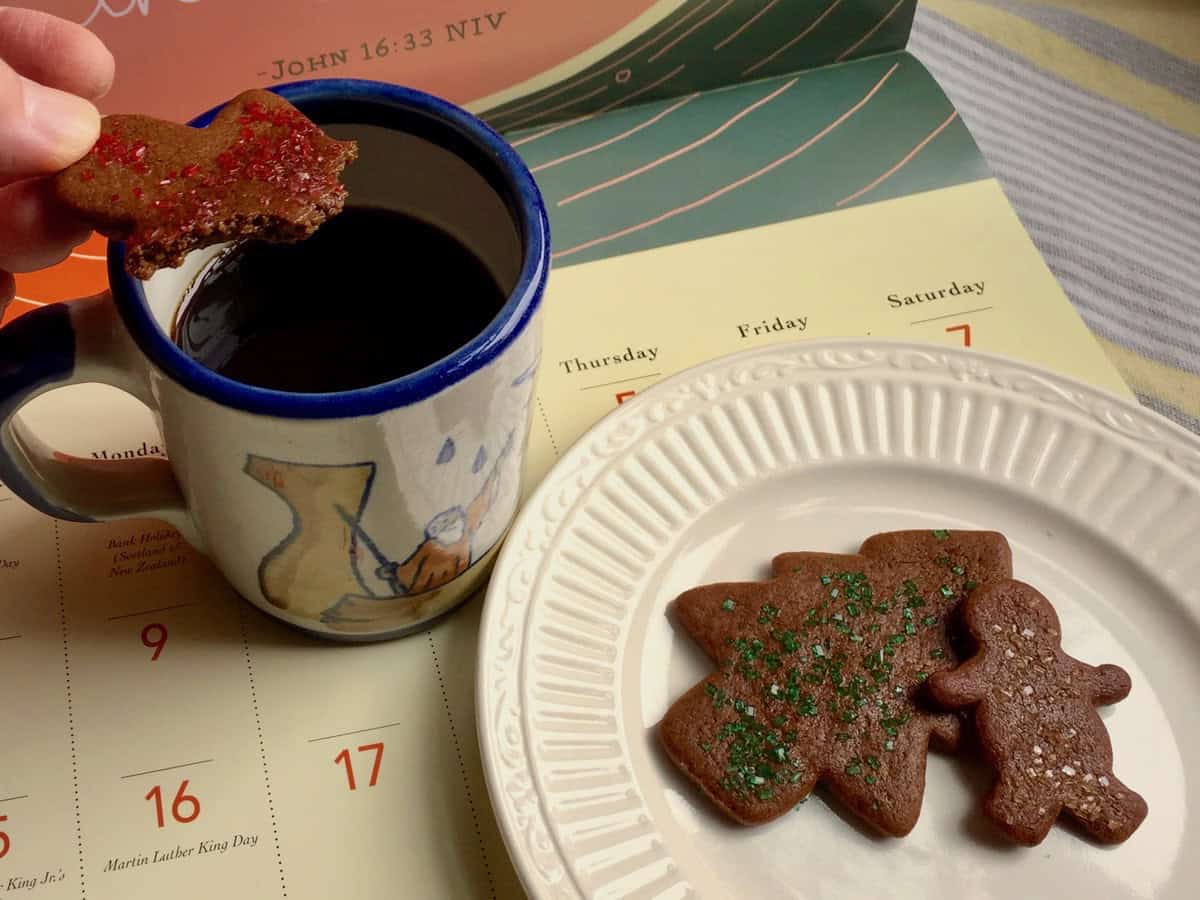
(509, 323)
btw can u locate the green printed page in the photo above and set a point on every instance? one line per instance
(748, 155)
(700, 45)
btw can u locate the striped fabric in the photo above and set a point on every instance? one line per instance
(1089, 114)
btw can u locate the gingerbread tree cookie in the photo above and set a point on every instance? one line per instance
(821, 669)
(1036, 719)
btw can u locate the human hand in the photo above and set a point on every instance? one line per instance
(50, 70)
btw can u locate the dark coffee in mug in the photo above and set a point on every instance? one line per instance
(373, 295)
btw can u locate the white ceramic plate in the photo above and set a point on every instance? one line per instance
(813, 447)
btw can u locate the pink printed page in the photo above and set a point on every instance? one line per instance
(207, 52)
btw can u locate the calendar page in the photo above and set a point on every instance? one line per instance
(161, 738)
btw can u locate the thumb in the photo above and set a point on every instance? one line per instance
(42, 130)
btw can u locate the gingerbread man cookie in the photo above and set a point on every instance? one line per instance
(260, 169)
(1036, 719)
(822, 669)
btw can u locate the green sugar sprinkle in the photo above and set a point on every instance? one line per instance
(728, 605)
(767, 613)
(825, 579)
(971, 585)
(941, 533)
(889, 745)
(958, 570)
(929, 620)
(873, 762)
(947, 591)
(854, 767)
(937, 653)
(870, 779)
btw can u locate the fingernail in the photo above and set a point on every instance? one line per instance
(67, 125)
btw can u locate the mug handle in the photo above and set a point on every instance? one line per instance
(80, 342)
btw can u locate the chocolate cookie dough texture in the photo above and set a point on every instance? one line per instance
(821, 676)
(261, 169)
(1035, 715)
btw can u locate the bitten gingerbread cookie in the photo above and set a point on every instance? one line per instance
(1036, 719)
(260, 169)
(821, 671)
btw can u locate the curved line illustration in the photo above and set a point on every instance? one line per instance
(902, 163)
(142, 6)
(76, 255)
(658, 117)
(586, 78)
(553, 128)
(866, 37)
(746, 179)
(712, 15)
(618, 102)
(675, 154)
(554, 109)
(20, 299)
(750, 21)
(797, 39)
(651, 86)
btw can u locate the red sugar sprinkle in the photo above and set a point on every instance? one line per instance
(274, 148)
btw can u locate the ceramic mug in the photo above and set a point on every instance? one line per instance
(357, 515)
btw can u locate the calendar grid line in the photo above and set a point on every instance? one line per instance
(953, 315)
(62, 611)
(262, 747)
(198, 762)
(462, 766)
(330, 737)
(146, 612)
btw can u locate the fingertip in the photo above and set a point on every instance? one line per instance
(103, 72)
(35, 230)
(66, 125)
(56, 52)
